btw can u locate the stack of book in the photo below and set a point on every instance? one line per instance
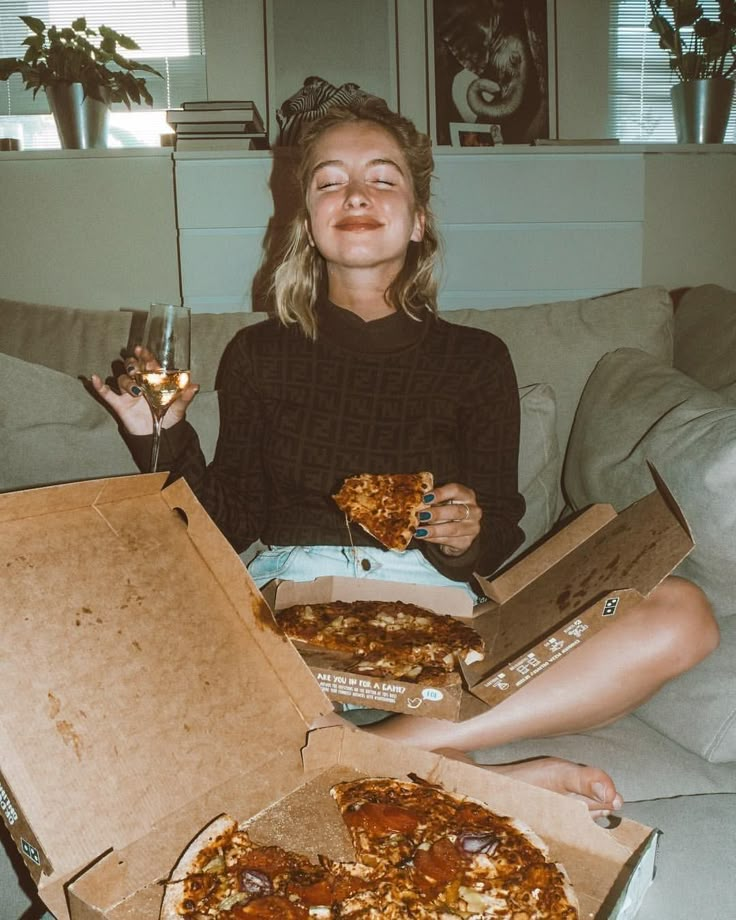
(218, 125)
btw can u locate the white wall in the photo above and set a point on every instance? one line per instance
(88, 229)
(690, 219)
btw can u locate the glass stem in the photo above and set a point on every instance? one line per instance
(157, 420)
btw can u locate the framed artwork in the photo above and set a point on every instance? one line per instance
(491, 64)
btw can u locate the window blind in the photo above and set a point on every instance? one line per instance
(640, 108)
(171, 38)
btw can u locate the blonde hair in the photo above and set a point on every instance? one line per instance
(301, 275)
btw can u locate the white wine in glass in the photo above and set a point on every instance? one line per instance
(163, 368)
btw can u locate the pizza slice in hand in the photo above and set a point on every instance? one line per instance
(386, 505)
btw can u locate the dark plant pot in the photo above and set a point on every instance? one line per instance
(81, 123)
(701, 109)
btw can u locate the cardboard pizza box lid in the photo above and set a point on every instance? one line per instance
(598, 567)
(140, 669)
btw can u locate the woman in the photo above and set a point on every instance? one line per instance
(357, 374)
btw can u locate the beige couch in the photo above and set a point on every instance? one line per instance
(599, 391)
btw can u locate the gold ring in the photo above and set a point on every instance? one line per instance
(467, 511)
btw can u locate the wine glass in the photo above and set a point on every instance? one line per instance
(164, 372)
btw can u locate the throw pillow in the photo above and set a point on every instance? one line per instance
(52, 430)
(633, 410)
(705, 335)
(729, 392)
(63, 338)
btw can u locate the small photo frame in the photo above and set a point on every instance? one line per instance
(473, 134)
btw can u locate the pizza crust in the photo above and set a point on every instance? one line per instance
(216, 833)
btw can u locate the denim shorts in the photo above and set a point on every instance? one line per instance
(305, 563)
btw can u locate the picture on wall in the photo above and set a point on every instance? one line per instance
(491, 62)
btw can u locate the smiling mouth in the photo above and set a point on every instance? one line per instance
(363, 223)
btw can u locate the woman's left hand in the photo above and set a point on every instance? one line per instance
(451, 519)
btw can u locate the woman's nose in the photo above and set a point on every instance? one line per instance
(356, 194)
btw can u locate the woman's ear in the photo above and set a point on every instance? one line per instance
(417, 234)
(308, 232)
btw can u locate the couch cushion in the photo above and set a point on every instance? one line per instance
(52, 430)
(540, 463)
(65, 339)
(560, 343)
(643, 762)
(696, 859)
(705, 335)
(211, 333)
(698, 709)
(635, 410)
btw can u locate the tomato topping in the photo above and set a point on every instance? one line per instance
(441, 863)
(274, 907)
(380, 820)
(319, 892)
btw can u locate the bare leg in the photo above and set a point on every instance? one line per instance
(604, 679)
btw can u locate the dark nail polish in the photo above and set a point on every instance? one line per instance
(422, 532)
(130, 370)
(136, 391)
(428, 498)
(424, 515)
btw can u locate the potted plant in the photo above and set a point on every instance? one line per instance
(82, 73)
(702, 54)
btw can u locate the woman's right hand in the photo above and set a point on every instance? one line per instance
(130, 405)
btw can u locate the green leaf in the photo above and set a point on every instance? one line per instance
(128, 43)
(685, 12)
(70, 55)
(667, 37)
(35, 25)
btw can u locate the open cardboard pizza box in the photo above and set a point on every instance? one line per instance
(584, 577)
(332, 670)
(145, 691)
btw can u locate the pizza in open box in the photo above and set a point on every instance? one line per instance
(422, 853)
(385, 638)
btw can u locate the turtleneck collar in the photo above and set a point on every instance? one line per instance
(378, 336)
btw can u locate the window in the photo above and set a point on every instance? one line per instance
(171, 38)
(640, 107)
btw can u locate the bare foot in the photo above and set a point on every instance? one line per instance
(591, 785)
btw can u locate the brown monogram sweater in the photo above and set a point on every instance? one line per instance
(389, 396)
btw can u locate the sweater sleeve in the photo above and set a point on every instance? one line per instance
(488, 429)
